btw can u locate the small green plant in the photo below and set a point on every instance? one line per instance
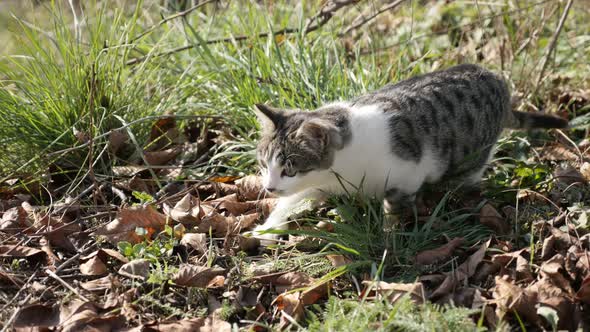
(160, 248)
(380, 315)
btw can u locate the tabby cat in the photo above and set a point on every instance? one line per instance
(432, 128)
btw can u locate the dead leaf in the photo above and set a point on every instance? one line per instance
(13, 251)
(394, 291)
(291, 305)
(137, 269)
(196, 276)
(557, 152)
(250, 187)
(428, 257)
(187, 211)
(37, 315)
(464, 271)
(567, 176)
(209, 324)
(583, 293)
(223, 179)
(159, 158)
(117, 139)
(123, 228)
(93, 267)
(510, 297)
(15, 220)
(195, 241)
(338, 260)
(553, 296)
(100, 284)
(164, 133)
(490, 217)
(216, 282)
(522, 270)
(292, 280)
(585, 171)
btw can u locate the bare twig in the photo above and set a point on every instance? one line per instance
(314, 23)
(66, 285)
(471, 25)
(361, 20)
(170, 18)
(552, 44)
(130, 123)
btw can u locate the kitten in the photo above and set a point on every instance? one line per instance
(432, 128)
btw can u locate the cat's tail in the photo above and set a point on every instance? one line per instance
(529, 120)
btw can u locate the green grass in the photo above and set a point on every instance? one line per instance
(381, 315)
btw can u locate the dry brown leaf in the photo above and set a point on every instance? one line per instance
(216, 222)
(567, 176)
(123, 228)
(552, 295)
(187, 211)
(216, 282)
(73, 316)
(195, 241)
(15, 220)
(250, 187)
(164, 133)
(137, 268)
(100, 284)
(13, 251)
(558, 241)
(159, 158)
(394, 291)
(40, 316)
(557, 152)
(77, 315)
(117, 139)
(464, 271)
(522, 268)
(93, 267)
(510, 297)
(583, 293)
(292, 280)
(196, 276)
(209, 324)
(432, 256)
(490, 217)
(231, 204)
(338, 260)
(585, 171)
(291, 305)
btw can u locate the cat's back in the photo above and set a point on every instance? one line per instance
(451, 114)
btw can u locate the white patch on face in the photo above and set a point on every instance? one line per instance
(271, 176)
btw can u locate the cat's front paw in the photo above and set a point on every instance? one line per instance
(266, 239)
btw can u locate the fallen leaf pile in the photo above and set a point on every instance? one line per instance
(173, 258)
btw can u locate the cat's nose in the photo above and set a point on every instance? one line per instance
(270, 190)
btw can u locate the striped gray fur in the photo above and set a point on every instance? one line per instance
(457, 114)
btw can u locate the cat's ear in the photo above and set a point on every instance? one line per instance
(268, 117)
(321, 131)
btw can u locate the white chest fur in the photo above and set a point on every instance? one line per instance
(368, 160)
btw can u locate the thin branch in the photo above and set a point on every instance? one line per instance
(457, 27)
(314, 23)
(552, 44)
(130, 123)
(361, 20)
(170, 18)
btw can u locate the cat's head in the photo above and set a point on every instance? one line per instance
(294, 147)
